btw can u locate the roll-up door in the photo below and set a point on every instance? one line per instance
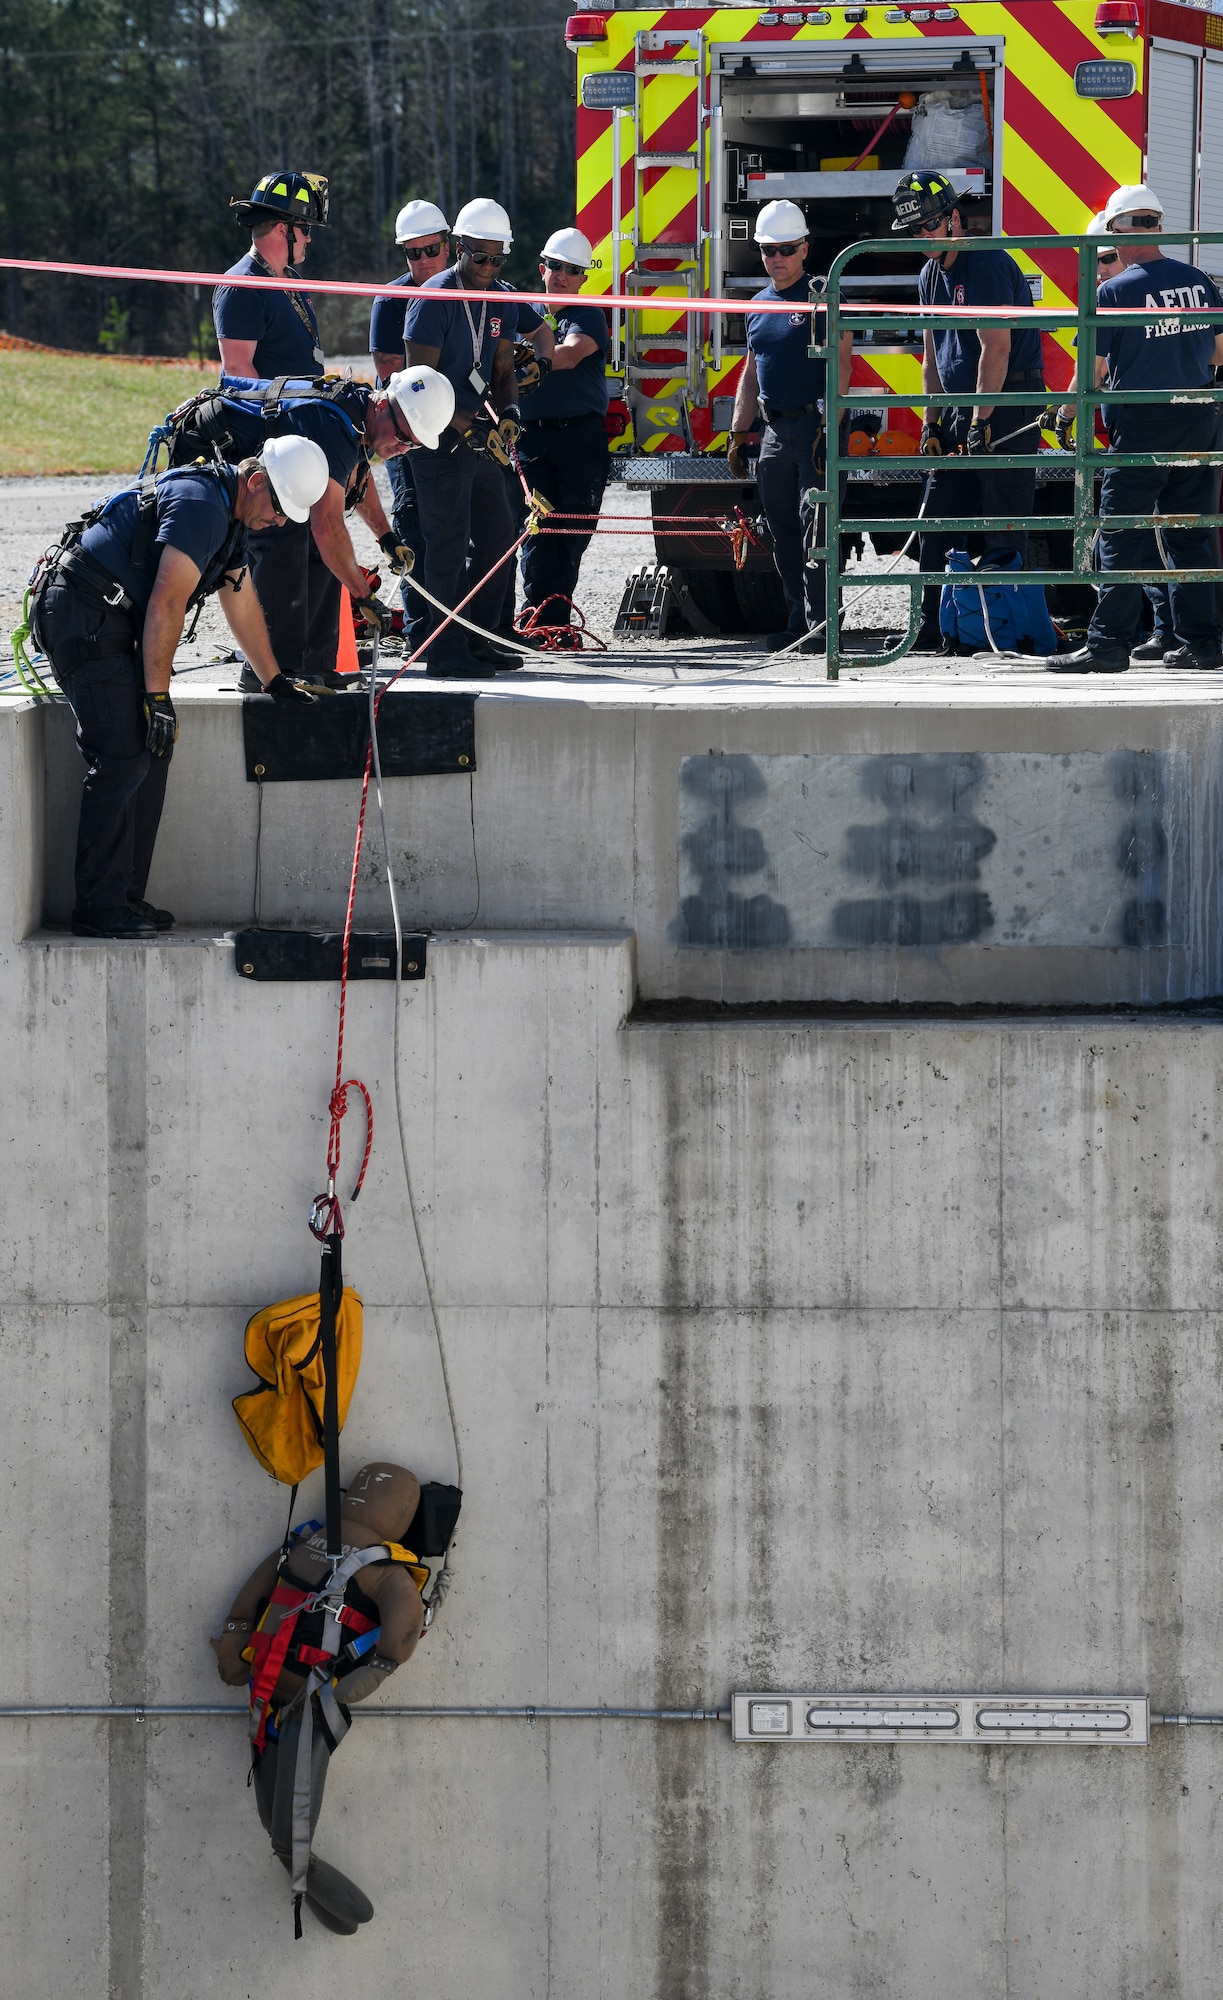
(1210, 210)
(1172, 139)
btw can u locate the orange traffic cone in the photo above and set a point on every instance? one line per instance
(346, 661)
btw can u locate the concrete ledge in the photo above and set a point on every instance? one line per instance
(1004, 842)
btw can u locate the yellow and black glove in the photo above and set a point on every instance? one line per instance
(530, 368)
(736, 457)
(930, 443)
(162, 725)
(980, 437)
(401, 558)
(376, 614)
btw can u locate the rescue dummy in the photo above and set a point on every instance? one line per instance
(310, 1643)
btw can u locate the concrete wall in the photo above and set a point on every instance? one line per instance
(845, 1354)
(1003, 842)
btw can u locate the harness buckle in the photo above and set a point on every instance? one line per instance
(116, 598)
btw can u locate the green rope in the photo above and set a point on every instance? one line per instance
(31, 680)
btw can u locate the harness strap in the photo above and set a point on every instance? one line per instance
(146, 521)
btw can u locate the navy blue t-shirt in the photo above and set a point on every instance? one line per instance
(439, 322)
(977, 278)
(580, 391)
(285, 344)
(386, 325)
(1169, 354)
(194, 514)
(785, 373)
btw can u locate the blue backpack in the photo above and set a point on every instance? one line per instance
(994, 617)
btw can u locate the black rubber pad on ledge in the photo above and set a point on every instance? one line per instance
(420, 735)
(318, 955)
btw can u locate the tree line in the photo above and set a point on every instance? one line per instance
(125, 129)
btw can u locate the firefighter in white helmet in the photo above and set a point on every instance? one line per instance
(782, 382)
(1175, 353)
(460, 491)
(564, 439)
(109, 604)
(423, 234)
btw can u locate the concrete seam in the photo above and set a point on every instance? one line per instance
(1000, 1058)
(127, 1275)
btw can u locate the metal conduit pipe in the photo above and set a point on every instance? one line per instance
(158, 1711)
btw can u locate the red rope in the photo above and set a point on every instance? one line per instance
(556, 638)
(326, 1218)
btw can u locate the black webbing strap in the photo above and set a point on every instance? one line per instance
(330, 1293)
(146, 521)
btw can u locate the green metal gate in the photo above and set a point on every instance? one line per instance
(1085, 458)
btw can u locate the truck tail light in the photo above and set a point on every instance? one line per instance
(1117, 17)
(615, 422)
(581, 28)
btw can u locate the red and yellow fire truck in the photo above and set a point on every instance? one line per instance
(689, 118)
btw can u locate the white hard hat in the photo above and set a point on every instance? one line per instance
(298, 470)
(419, 218)
(571, 246)
(484, 218)
(425, 400)
(781, 222)
(1131, 201)
(1097, 225)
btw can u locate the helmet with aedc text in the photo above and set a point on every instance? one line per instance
(920, 198)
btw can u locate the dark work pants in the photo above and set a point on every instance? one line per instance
(465, 518)
(405, 519)
(971, 488)
(784, 477)
(300, 599)
(125, 788)
(569, 467)
(1164, 489)
(516, 501)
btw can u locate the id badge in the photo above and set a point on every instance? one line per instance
(477, 382)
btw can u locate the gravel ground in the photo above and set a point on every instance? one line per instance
(33, 510)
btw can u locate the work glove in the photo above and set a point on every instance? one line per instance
(401, 558)
(930, 443)
(529, 367)
(503, 437)
(281, 688)
(1063, 430)
(490, 440)
(375, 613)
(736, 457)
(163, 725)
(979, 437)
(366, 1679)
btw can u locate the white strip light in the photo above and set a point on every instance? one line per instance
(1081, 1720)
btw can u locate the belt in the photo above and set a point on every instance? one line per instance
(94, 581)
(560, 423)
(804, 410)
(1025, 378)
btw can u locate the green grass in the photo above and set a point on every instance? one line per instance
(64, 413)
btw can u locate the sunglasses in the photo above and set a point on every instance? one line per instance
(1106, 257)
(928, 228)
(422, 250)
(274, 497)
(770, 250)
(298, 228)
(485, 257)
(571, 270)
(405, 437)
(1145, 221)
